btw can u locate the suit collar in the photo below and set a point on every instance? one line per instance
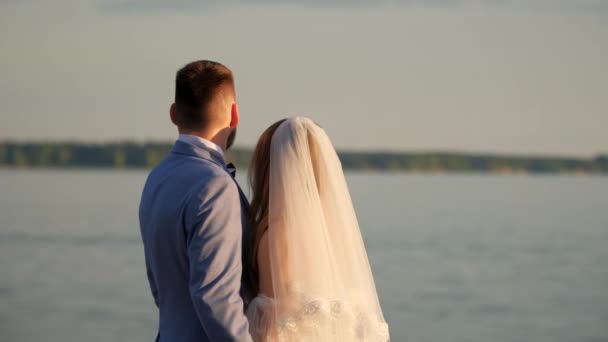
(202, 143)
(198, 151)
(183, 148)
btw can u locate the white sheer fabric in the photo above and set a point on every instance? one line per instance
(323, 286)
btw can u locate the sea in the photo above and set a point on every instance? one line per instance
(456, 258)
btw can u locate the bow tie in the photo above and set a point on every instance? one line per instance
(231, 169)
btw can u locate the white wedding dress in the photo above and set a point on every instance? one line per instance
(322, 282)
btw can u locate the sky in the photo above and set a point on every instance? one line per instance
(497, 76)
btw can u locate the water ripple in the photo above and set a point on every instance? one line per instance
(106, 239)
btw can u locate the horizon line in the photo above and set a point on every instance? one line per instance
(374, 150)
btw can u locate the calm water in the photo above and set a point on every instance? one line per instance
(456, 258)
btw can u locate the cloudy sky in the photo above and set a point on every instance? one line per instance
(507, 76)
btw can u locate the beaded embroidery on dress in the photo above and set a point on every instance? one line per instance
(313, 319)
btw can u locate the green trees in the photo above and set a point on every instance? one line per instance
(135, 155)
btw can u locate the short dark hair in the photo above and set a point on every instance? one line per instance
(197, 85)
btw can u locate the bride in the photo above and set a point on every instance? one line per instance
(308, 269)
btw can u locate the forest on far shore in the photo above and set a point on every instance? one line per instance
(145, 155)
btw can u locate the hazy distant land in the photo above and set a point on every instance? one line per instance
(127, 155)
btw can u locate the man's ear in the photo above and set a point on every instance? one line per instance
(173, 114)
(235, 118)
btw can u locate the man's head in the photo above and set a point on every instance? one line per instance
(205, 102)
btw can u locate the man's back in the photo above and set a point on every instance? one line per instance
(191, 218)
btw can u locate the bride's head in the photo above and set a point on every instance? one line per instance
(259, 174)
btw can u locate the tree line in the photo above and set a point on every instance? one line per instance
(123, 155)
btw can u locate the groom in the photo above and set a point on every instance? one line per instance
(193, 215)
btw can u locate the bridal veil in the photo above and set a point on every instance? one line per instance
(323, 285)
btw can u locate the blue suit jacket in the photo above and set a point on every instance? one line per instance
(193, 218)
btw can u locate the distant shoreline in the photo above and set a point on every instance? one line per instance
(371, 172)
(138, 156)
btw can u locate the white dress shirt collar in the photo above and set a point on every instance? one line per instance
(202, 143)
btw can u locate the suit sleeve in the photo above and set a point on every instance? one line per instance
(152, 284)
(214, 251)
